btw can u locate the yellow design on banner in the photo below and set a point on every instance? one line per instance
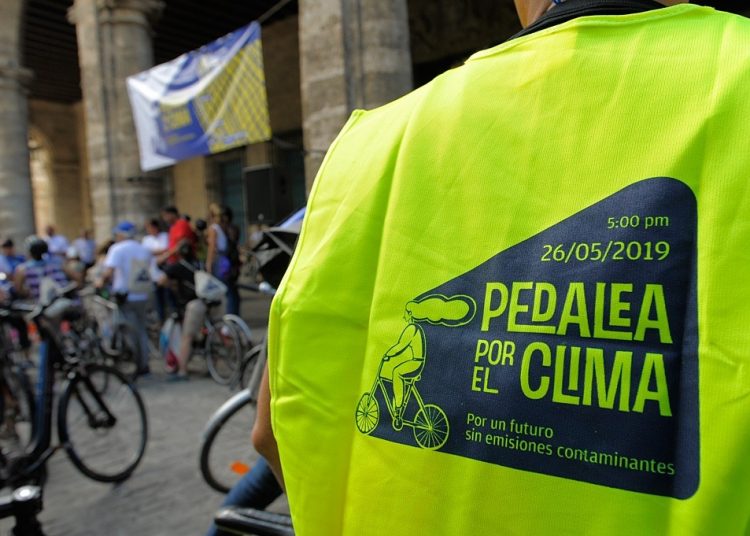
(233, 109)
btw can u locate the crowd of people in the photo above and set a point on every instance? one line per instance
(157, 269)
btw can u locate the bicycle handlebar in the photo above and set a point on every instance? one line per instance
(262, 288)
(19, 307)
(252, 521)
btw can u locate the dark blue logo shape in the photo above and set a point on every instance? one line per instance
(579, 357)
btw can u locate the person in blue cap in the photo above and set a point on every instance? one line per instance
(129, 267)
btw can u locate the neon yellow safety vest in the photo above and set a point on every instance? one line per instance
(521, 299)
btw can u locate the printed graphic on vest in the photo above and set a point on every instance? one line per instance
(140, 277)
(573, 353)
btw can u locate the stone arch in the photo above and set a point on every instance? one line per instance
(58, 174)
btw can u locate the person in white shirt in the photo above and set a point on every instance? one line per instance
(86, 248)
(130, 266)
(156, 240)
(56, 244)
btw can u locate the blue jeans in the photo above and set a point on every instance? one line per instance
(135, 313)
(233, 298)
(257, 489)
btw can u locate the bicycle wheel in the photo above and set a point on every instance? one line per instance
(102, 424)
(367, 414)
(125, 351)
(223, 352)
(431, 427)
(227, 451)
(18, 407)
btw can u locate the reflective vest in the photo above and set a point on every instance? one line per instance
(521, 299)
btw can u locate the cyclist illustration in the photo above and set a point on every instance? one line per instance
(402, 366)
(404, 360)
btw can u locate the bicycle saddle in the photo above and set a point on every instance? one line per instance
(252, 521)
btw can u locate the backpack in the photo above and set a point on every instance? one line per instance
(233, 254)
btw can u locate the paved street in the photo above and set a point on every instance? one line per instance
(166, 495)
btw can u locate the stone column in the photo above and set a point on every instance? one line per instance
(114, 42)
(16, 199)
(353, 54)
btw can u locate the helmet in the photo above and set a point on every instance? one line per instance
(36, 246)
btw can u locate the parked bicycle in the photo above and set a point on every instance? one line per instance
(103, 334)
(226, 454)
(101, 418)
(219, 340)
(16, 394)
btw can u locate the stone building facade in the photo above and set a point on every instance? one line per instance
(76, 163)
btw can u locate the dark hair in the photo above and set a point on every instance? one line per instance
(8, 243)
(37, 249)
(201, 224)
(104, 248)
(171, 209)
(228, 213)
(154, 223)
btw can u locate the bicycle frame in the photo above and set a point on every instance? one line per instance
(41, 449)
(410, 389)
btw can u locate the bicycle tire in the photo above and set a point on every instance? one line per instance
(367, 414)
(126, 351)
(226, 449)
(90, 447)
(431, 427)
(21, 392)
(223, 350)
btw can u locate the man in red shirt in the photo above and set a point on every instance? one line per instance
(180, 232)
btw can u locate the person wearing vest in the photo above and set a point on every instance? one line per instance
(569, 213)
(130, 267)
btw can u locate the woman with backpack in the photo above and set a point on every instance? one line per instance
(222, 255)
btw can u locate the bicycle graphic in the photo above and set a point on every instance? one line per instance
(430, 424)
(402, 367)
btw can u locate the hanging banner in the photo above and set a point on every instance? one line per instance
(203, 102)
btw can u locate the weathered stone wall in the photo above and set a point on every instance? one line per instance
(114, 41)
(190, 188)
(353, 54)
(16, 205)
(83, 170)
(281, 65)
